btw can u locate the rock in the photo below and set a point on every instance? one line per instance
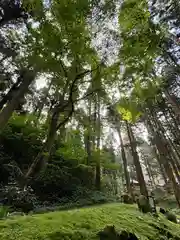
(169, 215)
(24, 206)
(15, 214)
(127, 199)
(109, 233)
(124, 235)
(162, 210)
(143, 204)
(40, 210)
(46, 209)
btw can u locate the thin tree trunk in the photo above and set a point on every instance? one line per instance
(161, 167)
(175, 170)
(114, 176)
(175, 119)
(174, 128)
(89, 129)
(171, 99)
(154, 149)
(126, 173)
(158, 155)
(175, 153)
(139, 172)
(44, 100)
(87, 145)
(168, 146)
(8, 110)
(163, 172)
(98, 165)
(149, 172)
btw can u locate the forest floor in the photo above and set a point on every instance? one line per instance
(85, 223)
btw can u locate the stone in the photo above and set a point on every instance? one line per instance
(143, 204)
(15, 214)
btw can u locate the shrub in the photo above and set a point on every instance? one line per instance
(94, 196)
(99, 197)
(167, 201)
(126, 198)
(19, 199)
(4, 211)
(58, 181)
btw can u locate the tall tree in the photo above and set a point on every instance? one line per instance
(114, 118)
(139, 172)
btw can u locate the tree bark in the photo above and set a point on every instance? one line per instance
(98, 128)
(123, 154)
(154, 148)
(165, 161)
(42, 158)
(10, 93)
(169, 149)
(175, 119)
(43, 100)
(172, 100)
(149, 172)
(172, 145)
(7, 111)
(139, 172)
(161, 167)
(173, 125)
(89, 130)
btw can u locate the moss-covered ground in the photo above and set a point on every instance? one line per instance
(85, 223)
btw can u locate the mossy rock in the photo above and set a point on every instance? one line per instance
(143, 204)
(127, 199)
(110, 233)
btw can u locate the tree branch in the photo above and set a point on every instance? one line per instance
(87, 95)
(70, 99)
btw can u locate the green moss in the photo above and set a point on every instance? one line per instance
(85, 223)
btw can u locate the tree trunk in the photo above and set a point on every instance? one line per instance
(10, 93)
(175, 170)
(172, 100)
(176, 156)
(149, 172)
(44, 100)
(161, 167)
(168, 146)
(173, 125)
(41, 160)
(98, 164)
(114, 177)
(171, 177)
(89, 131)
(139, 172)
(123, 154)
(165, 161)
(8, 110)
(154, 149)
(88, 147)
(175, 120)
